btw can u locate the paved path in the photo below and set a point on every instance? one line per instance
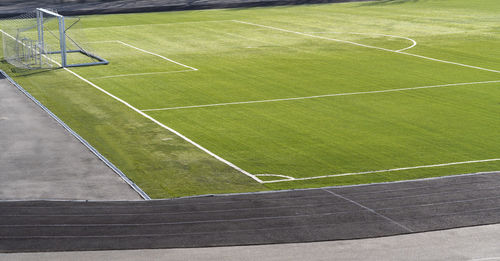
(261, 218)
(461, 244)
(39, 159)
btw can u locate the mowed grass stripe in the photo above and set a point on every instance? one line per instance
(305, 138)
(319, 67)
(350, 133)
(321, 96)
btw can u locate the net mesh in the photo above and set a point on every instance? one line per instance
(33, 41)
(21, 46)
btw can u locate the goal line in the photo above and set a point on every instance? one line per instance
(285, 178)
(188, 68)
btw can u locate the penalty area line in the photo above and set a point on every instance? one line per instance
(157, 55)
(367, 46)
(139, 74)
(145, 51)
(157, 122)
(379, 171)
(320, 96)
(414, 43)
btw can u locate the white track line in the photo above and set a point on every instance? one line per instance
(159, 123)
(384, 170)
(367, 46)
(414, 43)
(321, 96)
(371, 210)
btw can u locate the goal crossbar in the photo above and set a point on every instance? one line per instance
(62, 38)
(41, 39)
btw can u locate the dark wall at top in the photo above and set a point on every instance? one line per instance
(81, 7)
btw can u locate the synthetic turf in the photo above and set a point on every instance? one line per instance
(289, 56)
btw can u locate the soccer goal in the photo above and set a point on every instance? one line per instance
(45, 39)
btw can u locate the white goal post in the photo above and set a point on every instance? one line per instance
(45, 39)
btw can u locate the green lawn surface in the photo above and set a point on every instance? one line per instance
(246, 56)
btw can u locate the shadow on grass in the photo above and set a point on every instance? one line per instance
(21, 72)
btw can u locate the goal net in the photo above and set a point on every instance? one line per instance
(45, 39)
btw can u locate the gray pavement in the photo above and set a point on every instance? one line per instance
(479, 243)
(39, 159)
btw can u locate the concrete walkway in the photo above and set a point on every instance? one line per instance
(39, 159)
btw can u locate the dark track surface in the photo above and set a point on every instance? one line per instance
(291, 216)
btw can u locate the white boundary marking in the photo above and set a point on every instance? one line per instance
(166, 127)
(155, 54)
(288, 177)
(379, 171)
(139, 74)
(371, 210)
(275, 175)
(364, 45)
(157, 122)
(124, 177)
(414, 43)
(321, 96)
(190, 68)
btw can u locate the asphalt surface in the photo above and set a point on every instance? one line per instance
(245, 219)
(478, 243)
(39, 159)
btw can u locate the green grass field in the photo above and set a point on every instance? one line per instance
(299, 92)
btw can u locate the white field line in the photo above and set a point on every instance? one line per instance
(161, 56)
(191, 69)
(140, 74)
(275, 175)
(83, 141)
(166, 127)
(380, 171)
(144, 51)
(414, 43)
(367, 46)
(158, 123)
(321, 96)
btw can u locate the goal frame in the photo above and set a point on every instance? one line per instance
(40, 15)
